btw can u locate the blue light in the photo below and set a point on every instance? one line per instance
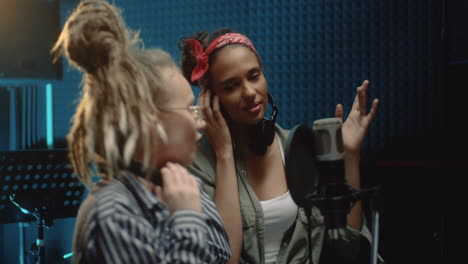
(12, 119)
(49, 116)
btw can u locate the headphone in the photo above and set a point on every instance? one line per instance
(262, 134)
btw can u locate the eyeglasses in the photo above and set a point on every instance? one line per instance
(196, 110)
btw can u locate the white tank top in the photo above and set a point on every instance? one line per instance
(279, 215)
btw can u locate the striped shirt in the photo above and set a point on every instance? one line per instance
(124, 222)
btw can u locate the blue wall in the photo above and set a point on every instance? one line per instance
(315, 54)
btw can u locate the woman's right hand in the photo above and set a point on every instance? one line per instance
(216, 130)
(180, 190)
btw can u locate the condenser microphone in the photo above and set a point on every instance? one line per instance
(334, 194)
(319, 152)
(315, 174)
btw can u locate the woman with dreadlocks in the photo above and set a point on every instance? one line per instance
(136, 113)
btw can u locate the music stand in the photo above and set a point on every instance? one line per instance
(37, 185)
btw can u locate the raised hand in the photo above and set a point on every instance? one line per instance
(358, 121)
(180, 190)
(216, 129)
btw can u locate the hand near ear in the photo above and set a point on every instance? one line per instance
(216, 129)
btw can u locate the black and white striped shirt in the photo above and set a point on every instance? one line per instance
(123, 222)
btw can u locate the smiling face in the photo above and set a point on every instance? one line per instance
(238, 81)
(182, 127)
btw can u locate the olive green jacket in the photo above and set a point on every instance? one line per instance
(294, 247)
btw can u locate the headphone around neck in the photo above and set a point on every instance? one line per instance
(263, 133)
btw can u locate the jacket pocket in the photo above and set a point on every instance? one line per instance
(250, 238)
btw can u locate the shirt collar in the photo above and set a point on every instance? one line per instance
(150, 200)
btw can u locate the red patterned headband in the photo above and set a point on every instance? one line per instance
(202, 56)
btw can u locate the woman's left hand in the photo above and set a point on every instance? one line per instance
(355, 127)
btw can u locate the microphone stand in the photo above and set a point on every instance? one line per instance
(41, 185)
(373, 194)
(42, 216)
(44, 221)
(328, 205)
(332, 195)
(374, 199)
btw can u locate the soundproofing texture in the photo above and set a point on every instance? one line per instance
(315, 53)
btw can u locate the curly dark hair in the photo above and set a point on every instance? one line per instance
(188, 61)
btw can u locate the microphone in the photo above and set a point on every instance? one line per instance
(315, 174)
(335, 196)
(320, 153)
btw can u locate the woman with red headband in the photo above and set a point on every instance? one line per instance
(241, 156)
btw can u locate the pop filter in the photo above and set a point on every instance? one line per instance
(300, 164)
